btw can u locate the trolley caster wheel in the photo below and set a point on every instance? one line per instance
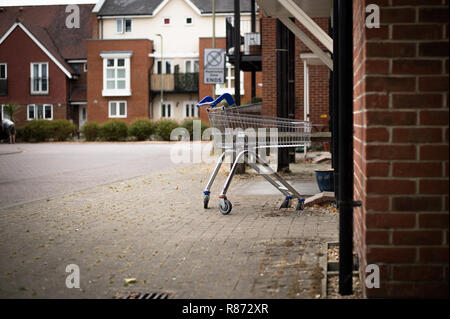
(300, 205)
(286, 203)
(205, 201)
(225, 206)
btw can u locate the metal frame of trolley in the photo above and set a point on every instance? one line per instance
(232, 124)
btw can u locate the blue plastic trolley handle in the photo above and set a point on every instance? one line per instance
(212, 103)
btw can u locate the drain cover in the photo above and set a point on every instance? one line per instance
(150, 295)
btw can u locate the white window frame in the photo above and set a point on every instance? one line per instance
(164, 66)
(3, 112)
(193, 61)
(185, 20)
(190, 104)
(35, 109)
(119, 22)
(6, 71)
(118, 115)
(161, 110)
(122, 22)
(226, 87)
(168, 24)
(85, 69)
(116, 56)
(40, 91)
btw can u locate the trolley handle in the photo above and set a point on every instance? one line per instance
(212, 103)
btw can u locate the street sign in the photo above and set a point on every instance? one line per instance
(214, 66)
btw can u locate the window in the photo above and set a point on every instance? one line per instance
(117, 109)
(127, 25)
(228, 86)
(39, 78)
(3, 71)
(3, 115)
(166, 21)
(191, 66)
(119, 25)
(123, 25)
(116, 73)
(166, 110)
(85, 67)
(190, 110)
(189, 21)
(167, 69)
(39, 112)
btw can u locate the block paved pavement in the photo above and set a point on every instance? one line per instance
(154, 228)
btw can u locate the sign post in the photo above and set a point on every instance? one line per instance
(214, 66)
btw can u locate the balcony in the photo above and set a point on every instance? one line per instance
(175, 83)
(3, 87)
(251, 55)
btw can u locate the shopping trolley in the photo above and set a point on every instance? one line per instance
(234, 126)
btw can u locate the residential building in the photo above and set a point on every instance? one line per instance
(174, 29)
(43, 62)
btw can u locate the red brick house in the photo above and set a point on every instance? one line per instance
(43, 62)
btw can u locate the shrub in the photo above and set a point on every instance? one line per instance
(114, 130)
(36, 131)
(164, 127)
(90, 131)
(61, 130)
(189, 125)
(142, 129)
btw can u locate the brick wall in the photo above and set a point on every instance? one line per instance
(318, 74)
(401, 146)
(207, 89)
(140, 64)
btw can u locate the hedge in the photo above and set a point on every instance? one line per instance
(189, 125)
(61, 130)
(164, 127)
(142, 129)
(114, 130)
(90, 131)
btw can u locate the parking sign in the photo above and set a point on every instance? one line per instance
(214, 66)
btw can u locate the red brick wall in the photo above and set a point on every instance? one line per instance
(318, 75)
(138, 102)
(401, 146)
(18, 59)
(207, 89)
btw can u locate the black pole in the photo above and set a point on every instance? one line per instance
(335, 97)
(253, 22)
(237, 52)
(345, 142)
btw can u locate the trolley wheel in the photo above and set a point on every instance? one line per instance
(225, 206)
(286, 203)
(300, 206)
(205, 201)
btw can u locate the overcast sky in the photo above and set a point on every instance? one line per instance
(4, 3)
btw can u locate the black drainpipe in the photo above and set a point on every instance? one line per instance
(344, 61)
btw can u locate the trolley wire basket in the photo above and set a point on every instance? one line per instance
(240, 130)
